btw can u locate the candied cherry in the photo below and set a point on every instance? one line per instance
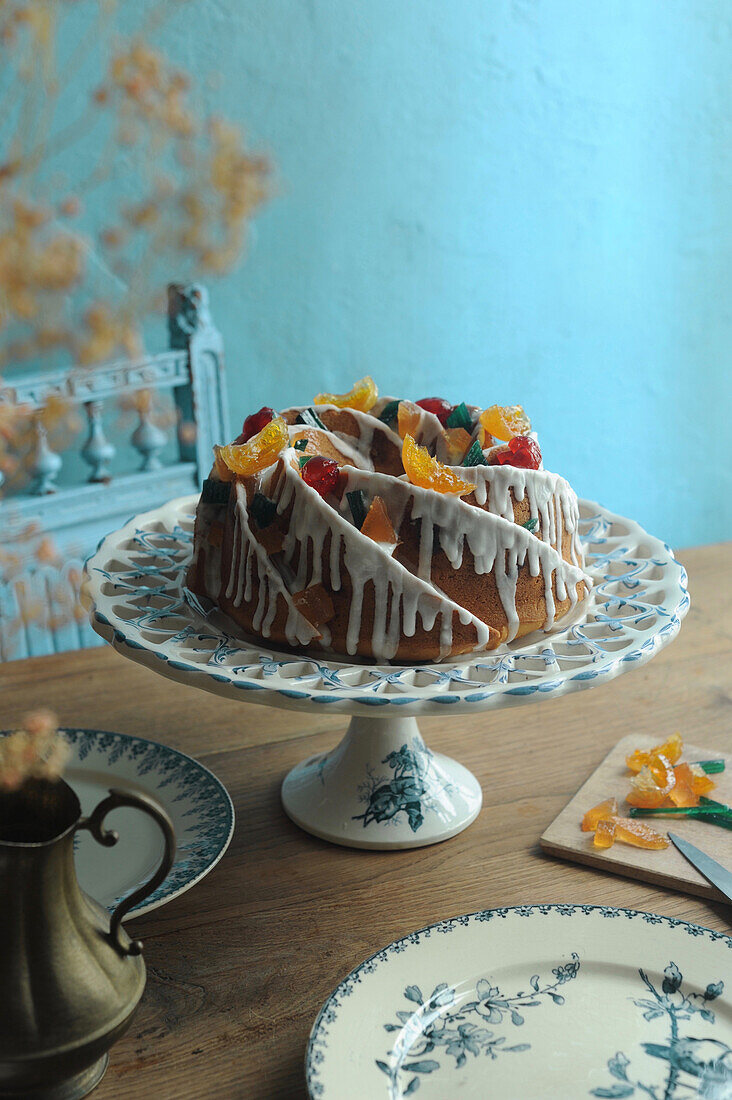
(253, 424)
(321, 474)
(438, 406)
(522, 451)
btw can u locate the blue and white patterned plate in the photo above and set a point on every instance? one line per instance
(196, 801)
(533, 1002)
(135, 591)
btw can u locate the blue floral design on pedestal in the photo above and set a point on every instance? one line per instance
(707, 1061)
(407, 791)
(461, 1031)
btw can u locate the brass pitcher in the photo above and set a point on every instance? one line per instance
(70, 977)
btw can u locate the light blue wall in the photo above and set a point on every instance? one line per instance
(497, 201)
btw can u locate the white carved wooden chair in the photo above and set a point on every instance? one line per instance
(36, 595)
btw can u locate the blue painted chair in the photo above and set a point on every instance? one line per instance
(35, 597)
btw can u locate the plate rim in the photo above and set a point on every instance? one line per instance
(351, 699)
(145, 908)
(463, 920)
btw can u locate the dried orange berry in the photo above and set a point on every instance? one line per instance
(457, 442)
(671, 749)
(630, 830)
(505, 421)
(605, 833)
(257, 453)
(653, 783)
(377, 525)
(608, 808)
(409, 418)
(427, 472)
(362, 396)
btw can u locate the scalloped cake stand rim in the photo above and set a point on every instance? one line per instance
(361, 699)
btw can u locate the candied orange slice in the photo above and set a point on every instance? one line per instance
(608, 808)
(630, 830)
(691, 782)
(409, 418)
(362, 396)
(653, 783)
(605, 833)
(505, 421)
(427, 472)
(377, 525)
(257, 453)
(457, 443)
(671, 749)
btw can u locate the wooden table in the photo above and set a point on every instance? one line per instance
(239, 966)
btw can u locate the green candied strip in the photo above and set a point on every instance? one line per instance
(310, 419)
(713, 804)
(389, 412)
(475, 456)
(357, 504)
(711, 767)
(684, 811)
(460, 418)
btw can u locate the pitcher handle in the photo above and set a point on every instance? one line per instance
(109, 837)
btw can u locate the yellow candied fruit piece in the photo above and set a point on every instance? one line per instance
(608, 808)
(361, 397)
(505, 421)
(457, 444)
(672, 749)
(428, 473)
(259, 452)
(409, 418)
(377, 525)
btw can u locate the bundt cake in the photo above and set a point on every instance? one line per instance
(386, 529)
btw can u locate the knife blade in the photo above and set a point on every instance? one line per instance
(714, 872)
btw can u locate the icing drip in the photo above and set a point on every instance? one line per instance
(321, 542)
(400, 599)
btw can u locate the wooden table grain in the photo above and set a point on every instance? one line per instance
(239, 966)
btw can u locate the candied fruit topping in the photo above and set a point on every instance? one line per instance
(457, 445)
(630, 830)
(608, 808)
(320, 474)
(522, 451)
(315, 603)
(605, 833)
(254, 424)
(653, 783)
(377, 525)
(427, 472)
(257, 454)
(409, 418)
(505, 421)
(361, 397)
(671, 749)
(438, 406)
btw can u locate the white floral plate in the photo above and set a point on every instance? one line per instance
(533, 1002)
(196, 801)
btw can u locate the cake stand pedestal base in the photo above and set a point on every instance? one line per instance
(382, 788)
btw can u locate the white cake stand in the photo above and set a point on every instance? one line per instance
(381, 787)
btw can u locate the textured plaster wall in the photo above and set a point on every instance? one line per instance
(502, 201)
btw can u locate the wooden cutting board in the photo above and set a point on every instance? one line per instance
(565, 839)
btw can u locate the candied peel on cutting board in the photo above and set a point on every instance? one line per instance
(565, 839)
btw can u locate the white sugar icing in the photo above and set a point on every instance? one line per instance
(322, 542)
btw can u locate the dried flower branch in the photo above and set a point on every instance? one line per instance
(36, 751)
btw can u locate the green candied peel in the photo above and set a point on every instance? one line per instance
(300, 444)
(389, 412)
(311, 419)
(263, 510)
(357, 504)
(460, 418)
(475, 456)
(530, 524)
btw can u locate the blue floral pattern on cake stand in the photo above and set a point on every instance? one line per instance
(135, 590)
